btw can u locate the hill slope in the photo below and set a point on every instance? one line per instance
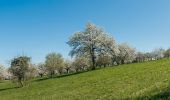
(149, 80)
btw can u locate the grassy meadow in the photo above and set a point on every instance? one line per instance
(148, 80)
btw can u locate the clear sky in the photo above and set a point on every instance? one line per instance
(37, 27)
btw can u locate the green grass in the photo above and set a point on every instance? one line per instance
(148, 80)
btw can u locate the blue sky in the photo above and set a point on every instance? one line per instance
(37, 27)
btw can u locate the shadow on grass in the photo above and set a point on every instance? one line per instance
(65, 75)
(8, 88)
(59, 76)
(163, 95)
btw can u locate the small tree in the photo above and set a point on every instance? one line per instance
(104, 60)
(41, 69)
(32, 72)
(80, 64)
(139, 57)
(108, 47)
(19, 68)
(126, 54)
(158, 53)
(148, 56)
(54, 61)
(167, 53)
(67, 65)
(2, 72)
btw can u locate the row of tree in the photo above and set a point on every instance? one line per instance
(91, 48)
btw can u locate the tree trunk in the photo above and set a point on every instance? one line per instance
(93, 62)
(76, 70)
(122, 61)
(20, 81)
(51, 74)
(41, 75)
(93, 57)
(67, 71)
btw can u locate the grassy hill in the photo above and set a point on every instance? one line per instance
(148, 80)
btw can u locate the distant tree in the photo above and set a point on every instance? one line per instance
(104, 60)
(80, 63)
(126, 54)
(167, 53)
(60, 68)
(19, 68)
(2, 72)
(41, 69)
(147, 56)
(54, 62)
(87, 43)
(140, 57)
(32, 72)
(158, 53)
(108, 47)
(67, 65)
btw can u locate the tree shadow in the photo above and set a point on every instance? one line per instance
(65, 75)
(59, 76)
(164, 95)
(4, 89)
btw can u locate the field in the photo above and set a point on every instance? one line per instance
(148, 80)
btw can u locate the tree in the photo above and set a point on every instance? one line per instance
(126, 54)
(54, 61)
(104, 60)
(87, 43)
(41, 69)
(67, 65)
(108, 47)
(167, 53)
(158, 53)
(2, 72)
(140, 57)
(32, 72)
(19, 68)
(147, 56)
(80, 63)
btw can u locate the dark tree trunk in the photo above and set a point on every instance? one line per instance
(93, 59)
(76, 70)
(67, 71)
(41, 75)
(52, 73)
(20, 81)
(60, 72)
(93, 62)
(122, 61)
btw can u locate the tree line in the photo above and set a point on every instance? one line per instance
(90, 49)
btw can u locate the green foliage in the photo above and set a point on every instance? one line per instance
(148, 80)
